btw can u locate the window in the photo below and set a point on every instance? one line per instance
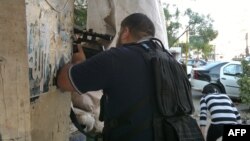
(232, 69)
(215, 70)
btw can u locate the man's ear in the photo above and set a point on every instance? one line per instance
(125, 34)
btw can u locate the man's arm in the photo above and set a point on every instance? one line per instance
(203, 116)
(63, 80)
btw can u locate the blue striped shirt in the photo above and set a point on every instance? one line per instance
(221, 109)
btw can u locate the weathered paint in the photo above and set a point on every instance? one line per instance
(49, 28)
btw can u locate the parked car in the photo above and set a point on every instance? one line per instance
(229, 75)
(205, 75)
(222, 77)
(192, 64)
(188, 68)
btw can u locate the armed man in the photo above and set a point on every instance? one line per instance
(135, 104)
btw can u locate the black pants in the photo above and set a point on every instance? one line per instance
(214, 132)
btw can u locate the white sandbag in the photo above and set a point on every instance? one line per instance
(87, 110)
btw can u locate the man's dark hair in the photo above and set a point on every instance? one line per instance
(208, 90)
(139, 25)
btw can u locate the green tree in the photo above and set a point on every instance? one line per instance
(173, 25)
(201, 32)
(244, 82)
(184, 47)
(199, 27)
(80, 13)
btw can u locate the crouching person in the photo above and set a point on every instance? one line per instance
(221, 109)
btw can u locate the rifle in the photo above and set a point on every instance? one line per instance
(88, 36)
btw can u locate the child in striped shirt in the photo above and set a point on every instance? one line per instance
(221, 109)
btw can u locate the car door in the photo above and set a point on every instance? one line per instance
(229, 75)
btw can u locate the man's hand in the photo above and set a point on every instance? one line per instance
(78, 56)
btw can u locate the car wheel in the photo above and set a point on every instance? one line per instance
(216, 88)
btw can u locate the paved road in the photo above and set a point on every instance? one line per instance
(196, 100)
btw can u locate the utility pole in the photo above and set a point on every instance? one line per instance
(214, 57)
(187, 47)
(247, 50)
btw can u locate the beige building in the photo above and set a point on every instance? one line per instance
(35, 38)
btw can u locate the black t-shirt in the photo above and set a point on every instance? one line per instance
(125, 79)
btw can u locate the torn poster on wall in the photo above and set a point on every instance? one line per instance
(39, 67)
(49, 45)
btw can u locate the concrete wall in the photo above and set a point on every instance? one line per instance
(14, 82)
(49, 29)
(35, 41)
(50, 117)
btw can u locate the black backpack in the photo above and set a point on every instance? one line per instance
(172, 120)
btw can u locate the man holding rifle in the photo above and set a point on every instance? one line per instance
(122, 75)
(125, 76)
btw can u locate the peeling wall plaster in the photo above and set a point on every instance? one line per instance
(49, 28)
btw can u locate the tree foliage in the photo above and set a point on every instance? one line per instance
(244, 82)
(199, 27)
(201, 31)
(173, 25)
(80, 13)
(184, 47)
